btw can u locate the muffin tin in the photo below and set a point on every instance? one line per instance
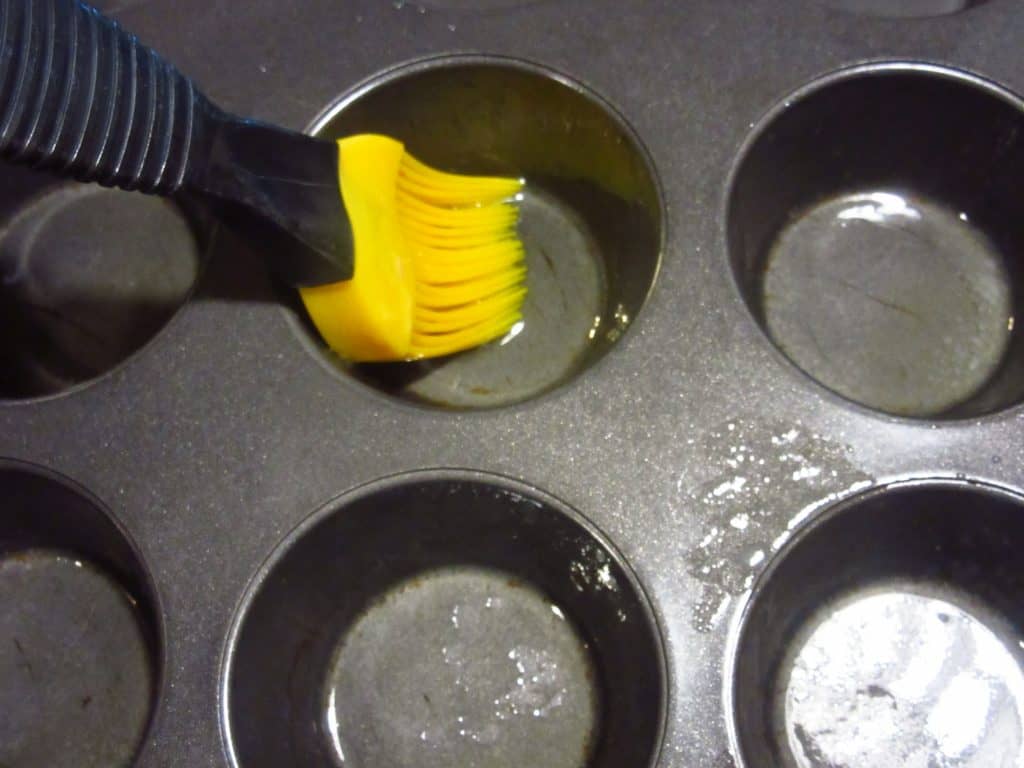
(703, 541)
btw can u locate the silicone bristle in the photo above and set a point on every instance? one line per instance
(452, 189)
(465, 254)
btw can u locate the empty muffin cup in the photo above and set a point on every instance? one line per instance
(88, 275)
(874, 225)
(439, 619)
(889, 632)
(79, 634)
(591, 217)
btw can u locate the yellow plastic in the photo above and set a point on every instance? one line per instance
(438, 265)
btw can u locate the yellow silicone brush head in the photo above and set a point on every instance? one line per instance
(438, 263)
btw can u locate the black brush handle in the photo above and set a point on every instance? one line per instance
(81, 96)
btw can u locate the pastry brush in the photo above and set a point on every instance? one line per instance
(394, 260)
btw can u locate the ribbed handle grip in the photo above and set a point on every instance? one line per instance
(80, 95)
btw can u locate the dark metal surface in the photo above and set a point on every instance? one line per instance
(82, 651)
(225, 432)
(867, 225)
(456, 615)
(123, 266)
(902, 8)
(889, 633)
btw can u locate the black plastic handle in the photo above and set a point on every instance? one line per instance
(81, 96)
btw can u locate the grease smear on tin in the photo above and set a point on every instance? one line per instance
(754, 471)
(903, 679)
